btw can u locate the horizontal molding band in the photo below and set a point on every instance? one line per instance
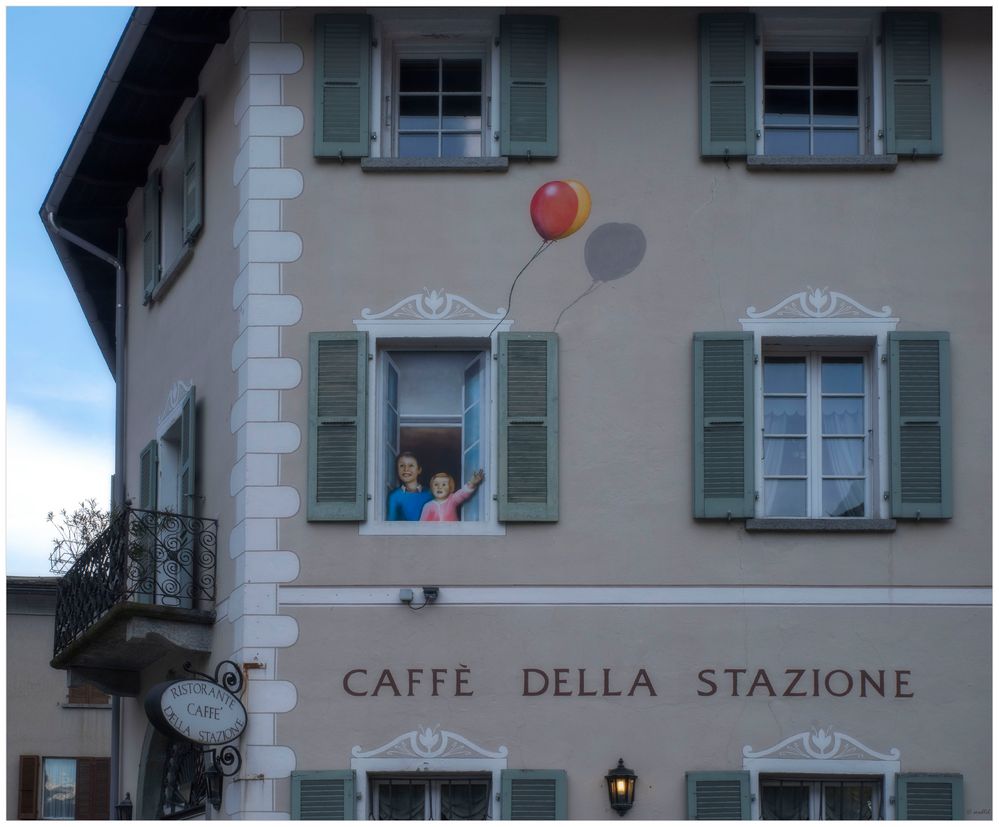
(645, 596)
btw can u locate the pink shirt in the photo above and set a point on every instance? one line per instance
(446, 511)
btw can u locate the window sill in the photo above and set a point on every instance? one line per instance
(416, 529)
(85, 706)
(819, 525)
(824, 163)
(435, 164)
(170, 274)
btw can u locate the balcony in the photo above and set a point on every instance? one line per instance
(145, 588)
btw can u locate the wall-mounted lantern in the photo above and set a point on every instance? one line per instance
(123, 809)
(621, 787)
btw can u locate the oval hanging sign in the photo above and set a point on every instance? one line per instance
(196, 710)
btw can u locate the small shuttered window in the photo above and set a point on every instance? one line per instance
(342, 85)
(924, 797)
(534, 795)
(93, 784)
(151, 268)
(529, 85)
(338, 366)
(27, 787)
(194, 170)
(87, 695)
(728, 84)
(322, 795)
(913, 122)
(717, 796)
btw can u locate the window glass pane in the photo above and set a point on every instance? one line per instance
(473, 383)
(836, 108)
(835, 68)
(59, 788)
(472, 418)
(462, 76)
(843, 374)
(418, 76)
(784, 415)
(464, 801)
(843, 498)
(401, 801)
(784, 801)
(785, 498)
(840, 142)
(784, 374)
(786, 142)
(785, 106)
(785, 69)
(842, 415)
(417, 112)
(462, 112)
(461, 146)
(852, 801)
(843, 457)
(785, 457)
(418, 146)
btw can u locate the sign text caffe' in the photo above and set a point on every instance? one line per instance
(196, 710)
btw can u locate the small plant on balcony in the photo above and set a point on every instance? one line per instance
(75, 531)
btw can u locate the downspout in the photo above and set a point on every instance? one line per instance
(118, 493)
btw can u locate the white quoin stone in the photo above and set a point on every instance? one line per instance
(259, 215)
(253, 535)
(260, 151)
(257, 342)
(273, 58)
(266, 630)
(271, 762)
(268, 374)
(270, 696)
(267, 567)
(258, 90)
(277, 247)
(270, 183)
(264, 26)
(273, 121)
(259, 728)
(237, 795)
(280, 502)
(261, 310)
(253, 469)
(270, 437)
(256, 278)
(254, 599)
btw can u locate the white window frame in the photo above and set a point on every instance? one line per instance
(437, 32)
(816, 783)
(432, 792)
(415, 333)
(852, 30)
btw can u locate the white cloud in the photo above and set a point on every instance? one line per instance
(48, 469)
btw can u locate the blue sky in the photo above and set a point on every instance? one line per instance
(60, 395)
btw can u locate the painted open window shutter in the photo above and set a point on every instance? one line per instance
(718, 796)
(920, 425)
(534, 795)
(528, 427)
(194, 170)
(323, 795)
(148, 472)
(151, 233)
(913, 122)
(188, 445)
(728, 84)
(93, 789)
(27, 787)
(343, 85)
(925, 797)
(528, 85)
(338, 370)
(723, 425)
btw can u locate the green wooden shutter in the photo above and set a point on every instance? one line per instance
(718, 796)
(151, 233)
(723, 425)
(148, 472)
(343, 85)
(528, 85)
(913, 122)
(728, 84)
(338, 405)
(534, 795)
(920, 425)
(188, 446)
(528, 427)
(194, 170)
(926, 797)
(323, 795)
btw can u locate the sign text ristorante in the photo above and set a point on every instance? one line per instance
(196, 710)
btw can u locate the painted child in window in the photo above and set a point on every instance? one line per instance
(407, 501)
(443, 508)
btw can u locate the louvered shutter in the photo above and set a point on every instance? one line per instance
(925, 797)
(723, 425)
(717, 796)
(528, 85)
(528, 427)
(93, 781)
(27, 787)
(728, 84)
(151, 233)
(323, 795)
(338, 369)
(194, 170)
(148, 473)
(913, 122)
(534, 795)
(188, 445)
(343, 85)
(920, 425)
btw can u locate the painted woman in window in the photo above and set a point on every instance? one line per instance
(406, 502)
(446, 503)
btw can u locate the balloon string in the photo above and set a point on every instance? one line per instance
(580, 297)
(544, 246)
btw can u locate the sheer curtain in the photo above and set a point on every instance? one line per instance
(59, 791)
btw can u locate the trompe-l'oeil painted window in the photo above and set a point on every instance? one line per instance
(438, 799)
(821, 799)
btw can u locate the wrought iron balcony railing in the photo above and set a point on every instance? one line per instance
(144, 557)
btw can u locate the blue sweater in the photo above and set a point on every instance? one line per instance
(407, 505)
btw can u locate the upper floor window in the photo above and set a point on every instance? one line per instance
(447, 798)
(828, 798)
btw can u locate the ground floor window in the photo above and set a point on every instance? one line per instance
(840, 798)
(418, 798)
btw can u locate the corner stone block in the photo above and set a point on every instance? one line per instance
(256, 655)
(256, 278)
(262, 152)
(267, 567)
(274, 121)
(275, 247)
(271, 762)
(271, 437)
(258, 90)
(259, 729)
(274, 58)
(254, 406)
(280, 501)
(256, 342)
(270, 183)
(253, 535)
(253, 469)
(261, 216)
(254, 599)
(266, 630)
(263, 311)
(237, 794)
(264, 25)
(270, 696)
(269, 374)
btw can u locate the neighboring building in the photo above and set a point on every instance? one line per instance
(58, 737)
(734, 525)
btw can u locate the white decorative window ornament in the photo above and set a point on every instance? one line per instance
(175, 398)
(822, 744)
(434, 306)
(430, 742)
(819, 303)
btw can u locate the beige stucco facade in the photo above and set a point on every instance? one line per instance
(626, 580)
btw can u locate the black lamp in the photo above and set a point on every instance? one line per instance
(621, 787)
(213, 780)
(123, 810)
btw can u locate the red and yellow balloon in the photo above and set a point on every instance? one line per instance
(559, 208)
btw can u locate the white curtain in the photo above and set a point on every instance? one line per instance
(59, 791)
